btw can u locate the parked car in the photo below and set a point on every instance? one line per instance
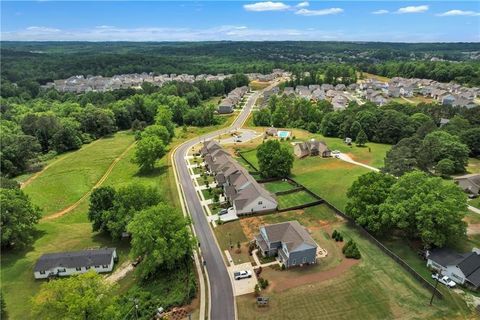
(239, 275)
(444, 279)
(222, 212)
(335, 152)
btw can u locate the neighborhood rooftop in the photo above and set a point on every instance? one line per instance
(76, 259)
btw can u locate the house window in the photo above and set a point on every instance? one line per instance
(294, 262)
(62, 270)
(304, 260)
(78, 268)
(260, 202)
(105, 266)
(87, 267)
(42, 272)
(96, 267)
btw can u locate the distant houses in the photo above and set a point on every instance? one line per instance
(243, 192)
(233, 98)
(69, 263)
(289, 242)
(311, 148)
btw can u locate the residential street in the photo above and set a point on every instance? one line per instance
(221, 292)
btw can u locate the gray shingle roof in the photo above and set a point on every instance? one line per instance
(76, 259)
(291, 233)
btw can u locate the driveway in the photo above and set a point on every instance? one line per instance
(243, 286)
(243, 135)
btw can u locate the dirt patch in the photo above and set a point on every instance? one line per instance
(283, 280)
(473, 229)
(251, 225)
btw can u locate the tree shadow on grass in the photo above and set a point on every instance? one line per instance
(155, 172)
(11, 255)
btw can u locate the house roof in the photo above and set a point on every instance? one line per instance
(290, 233)
(77, 259)
(472, 180)
(468, 263)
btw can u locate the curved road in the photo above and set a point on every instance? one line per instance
(221, 298)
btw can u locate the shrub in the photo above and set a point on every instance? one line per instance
(258, 271)
(283, 267)
(263, 283)
(334, 234)
(337, 236)
(257, 290)
(350, 250)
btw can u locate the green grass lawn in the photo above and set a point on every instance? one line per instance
(329, 178)
(376, 288)
(294, 199)
(68, 180)
(251, 156)
(278, 186)
(473, 165)
(73, 231)
(475, 203)
(229, 234)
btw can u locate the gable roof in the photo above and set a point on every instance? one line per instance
(76, 259)
(468, 263)
(290, 233)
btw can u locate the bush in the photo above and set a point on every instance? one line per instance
(263, 283)
(350, 250)
(258, 271)
(257, 290)
(283, 267)
(337, 236)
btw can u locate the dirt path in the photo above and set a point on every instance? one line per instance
(121, 272)
(39, 173)
(98, 184)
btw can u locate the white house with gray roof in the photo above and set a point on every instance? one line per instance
(69, 263)
(289, 241)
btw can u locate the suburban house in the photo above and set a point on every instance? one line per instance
(70, 263)
(469, 183)
(243, 192)
(233, 98)
(289, 241)
(312, 148)
(463, 268)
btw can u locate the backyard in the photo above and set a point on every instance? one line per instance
(294, 199)
(375, 287)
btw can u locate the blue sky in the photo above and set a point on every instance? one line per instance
(393, 21)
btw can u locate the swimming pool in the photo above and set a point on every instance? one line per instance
(283, 134)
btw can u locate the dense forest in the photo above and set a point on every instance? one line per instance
(29, 64)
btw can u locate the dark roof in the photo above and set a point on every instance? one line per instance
(77, 259)
(291, 233)
(445, 257)
(468, 263)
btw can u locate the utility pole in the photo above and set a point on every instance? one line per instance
(433, 292)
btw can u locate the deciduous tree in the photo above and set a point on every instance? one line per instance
(274, 159)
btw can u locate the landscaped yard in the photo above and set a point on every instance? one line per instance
(228, 235)
(294, 199)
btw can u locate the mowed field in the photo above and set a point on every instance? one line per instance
(66, 181)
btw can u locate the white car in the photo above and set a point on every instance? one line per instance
(239, 275)
(445, 280)
(335, 152)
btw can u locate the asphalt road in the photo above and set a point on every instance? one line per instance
(222, 297)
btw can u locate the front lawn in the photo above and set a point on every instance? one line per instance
(228, 236)
(294, 199)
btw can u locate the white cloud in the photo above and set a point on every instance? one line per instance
(35, 29)
(459, 13)
(321, 12)
(381, 11)
(266, 6)
(303, 4)
(413, 9)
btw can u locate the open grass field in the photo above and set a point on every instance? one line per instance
(473, 165)
(373, 288)
(68, 180)
(294, 199)
(278, 186)
(258, 85)
(73, 230)
(251, 156)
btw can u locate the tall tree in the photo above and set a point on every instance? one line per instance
(165, 249)
(85, 296)
(426, 208)
(365, 196)
(274, 159)
(149, 149)
(18, 218)
(361, 138)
